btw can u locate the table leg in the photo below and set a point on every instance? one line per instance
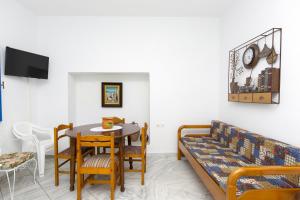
(122, 178)
(72, 163)
(130, 159)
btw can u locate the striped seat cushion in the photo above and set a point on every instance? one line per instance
(137, 150)
(99, 161)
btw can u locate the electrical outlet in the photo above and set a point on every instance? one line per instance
(160, 125)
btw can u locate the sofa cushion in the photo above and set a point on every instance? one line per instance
(12, 160)
(219, 161)
(204, 146)
(249, 145)
(218, 131)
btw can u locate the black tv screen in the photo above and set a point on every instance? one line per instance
(22, 63)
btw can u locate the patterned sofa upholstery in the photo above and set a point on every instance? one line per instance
(228, 148)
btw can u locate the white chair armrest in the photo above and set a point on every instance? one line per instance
(42, 131)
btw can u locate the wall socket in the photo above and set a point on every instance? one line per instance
(160, 125)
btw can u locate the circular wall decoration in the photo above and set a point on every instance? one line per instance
(251, 56)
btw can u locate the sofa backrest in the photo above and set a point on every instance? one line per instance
(256, 148)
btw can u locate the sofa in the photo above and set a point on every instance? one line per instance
(236, 164)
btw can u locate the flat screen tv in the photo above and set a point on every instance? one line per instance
(25, 64)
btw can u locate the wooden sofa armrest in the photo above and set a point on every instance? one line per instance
(179, 134)
(256, 171)
(181, 128)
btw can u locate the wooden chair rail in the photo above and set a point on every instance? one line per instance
(64, 172)
(96, 138)
(64, 126)
(61, 164)
(134, 160)
(61, 136)
(95, 144)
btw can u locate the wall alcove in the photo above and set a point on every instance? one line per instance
(84, 97)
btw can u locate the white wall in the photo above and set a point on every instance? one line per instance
(85, 100)
(181, 55)
(243, 21)
(18, 29)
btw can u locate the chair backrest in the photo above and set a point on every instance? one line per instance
(118, 120)
(22, 130)
(144, 137)
(57, 137)
(107, 140)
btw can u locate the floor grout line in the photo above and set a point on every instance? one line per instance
(1, 195)
(1, 180)
(37, 182)
(151, 191)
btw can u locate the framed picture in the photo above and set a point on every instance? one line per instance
(112, 94)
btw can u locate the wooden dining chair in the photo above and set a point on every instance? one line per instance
(106, 164)
(64, 154)
(138, 154)
(118, 120)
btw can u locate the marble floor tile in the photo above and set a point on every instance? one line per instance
(166, 178)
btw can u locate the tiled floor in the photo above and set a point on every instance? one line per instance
(166, 178)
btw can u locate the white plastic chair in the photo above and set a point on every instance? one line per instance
(35, 138)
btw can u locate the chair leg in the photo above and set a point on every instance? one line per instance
(143, 171)
(112, 186)
(79, 185)
(82, 180)
(41, 161)
(56, 175)
(116, 178)
(34, 171)
(11, 190)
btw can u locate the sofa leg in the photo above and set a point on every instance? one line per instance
(179, 154)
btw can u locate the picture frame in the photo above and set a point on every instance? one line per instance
(112, 94)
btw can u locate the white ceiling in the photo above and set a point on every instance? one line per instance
(156, 8)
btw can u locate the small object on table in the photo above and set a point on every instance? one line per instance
(107, 122)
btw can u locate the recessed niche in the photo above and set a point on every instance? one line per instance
(84, 97)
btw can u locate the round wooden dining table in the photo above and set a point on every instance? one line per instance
(127, 131)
